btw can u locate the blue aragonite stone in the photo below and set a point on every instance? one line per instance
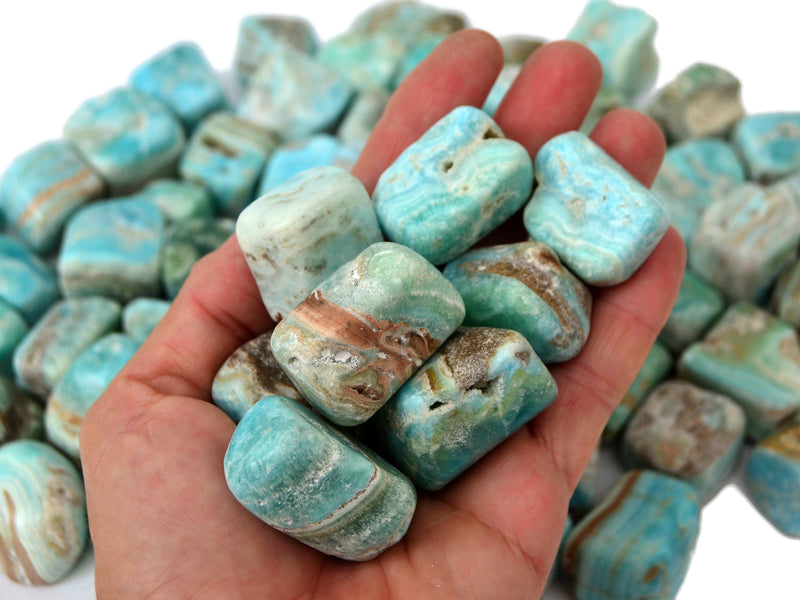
(67, 329)
(13, 328)
(300, 232)
(769, 143)
(637, 542)
(365, 330)
(42, 188)
(584, 495)
(227, 155)
(504, 80)
(601, 222)
(249, 374)
(303, 477)
(452, 186)
(128, 137)
(687, 432)
(21, 414)
(406, 20)
(772, 478)
(475, 391)
(182, 78)
(365, 61)
(415, 53)
(696, 307)
(27, 282)
(361, 117)
(141, 315)
(524, 287)
(786, 295)
(179, 200)
(43, 528)
(113, 248)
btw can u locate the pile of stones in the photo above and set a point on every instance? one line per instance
(392, 328)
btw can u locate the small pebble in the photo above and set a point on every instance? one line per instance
(770, 144)
(366, 61)
(178, 199)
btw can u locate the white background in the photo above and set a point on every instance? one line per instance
(54, 55)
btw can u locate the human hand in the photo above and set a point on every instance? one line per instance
(163, 522)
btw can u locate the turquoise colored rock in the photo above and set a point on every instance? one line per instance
(113, 248)
(407, 21)
(584, 496)
(365, 330)
(518, 48)
(415, 54)
(601, 222)
(67, 329)
(696, 307)
(637, 542)
(361, 118)
(187, 242)
(302, 231)
(249, 374)
(27, 282)
(622, 39)
(128, 137)
(657, 365)
(524, 287)
(474, 392)
(227, 155)
(179, 200)
(769, 143)
(788, 186)
(304, 478)
(772, 478)
(141, 315)
(13, 328)
(365, 61)
(452, 186)
(504, 80)
(744, 240)
(688, 432)
(182, 78)
(753, 357)
(786, 295)
(21, 414)
(43, 528)
(42, 188)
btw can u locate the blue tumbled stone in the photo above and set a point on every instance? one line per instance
(406, 20)
(584, 495)
(361, 117)
(27, 282)
(141, 315)
(697, 306)
(365, 61)
(13, 328)
(178, 199)
(786, 295)
(415, 54)
(769, 143)
(501, 85)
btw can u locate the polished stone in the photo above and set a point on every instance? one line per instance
(524, 287)
(303, 477)
(769, 143)
(501, 85)
(697, 306)
(21, 414)
(407, 21)
(361, 118)
(43, 528)
(178, 199)
(601, 222)
(27, 282)
(584, 496)
(296, 235)
(13, 328)
(141, 315)
(786, 295)
(474, 392)
(452, 186)
(365, 330)
(415, 54)
(366, 61)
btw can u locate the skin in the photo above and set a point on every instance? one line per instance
(163, 522)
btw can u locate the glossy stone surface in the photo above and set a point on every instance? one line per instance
(249, 374)
(27, 282)
(179, 200)
(69, 327)
(41, 189)
(365, 330)
(697, 306)
(227, 155)
(770, 144)
(688, 432)
(361, 118)
(744, 240)
(13, 328)
(475, 391)
(303, 477)
(524, 287)
(504, 80)
(128, 137)
(43, 528)
(601, 222)
(452, 186)
(141, 315)
(302, 231)
(786, 295)
(773, 479)
(113, 248)
(637, 542)
(754, 358)
(585, 494)
(365, 61)
(21, 415)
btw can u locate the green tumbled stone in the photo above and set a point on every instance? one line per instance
(27, 282)
(21, 414)
(303, 477)
(697, 306)
(504, 80)
(365, 61)
(407, 20)
(769, 143)
(179, 200)
(141, 315)
(13, 328)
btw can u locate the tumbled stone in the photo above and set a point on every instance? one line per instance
(361, 118)
(584, 495)
(475, 391)
(754, 358)
(302, 231)
(141, 315)
(304, 478)
(128, 137)
(407, 20)
(27, 282)
(786, 295)
(13, 328)
(696, 307)
(637, 542)
(69, 327)
(42, 188)
(688, 432)
(365, 61)
(43, 528)
(704, 100)
(517, 48)
(769, 143)
(21, 414)
(524, 287)
(415, 54)
(601, 222)
(178, 200)
(452, 186)
(504, 80)
(112, 248)
(248, 375)
(788, 186)
(365, 330)
(744, 240)
(772, 478)
(187, 242)
(227, 154)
